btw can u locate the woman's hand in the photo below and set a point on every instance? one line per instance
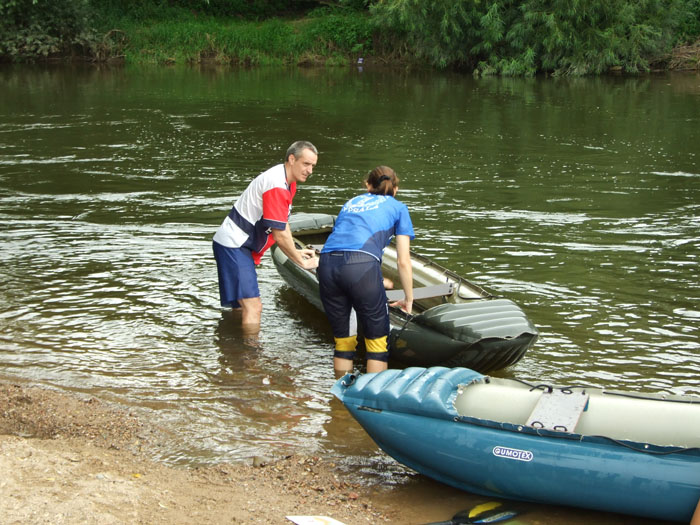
(406, 306)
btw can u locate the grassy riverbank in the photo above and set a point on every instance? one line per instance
(322, 37)
(318, 33)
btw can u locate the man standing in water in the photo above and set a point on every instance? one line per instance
(257, 220)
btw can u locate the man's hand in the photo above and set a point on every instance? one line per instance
(304, 257)
(309, 259)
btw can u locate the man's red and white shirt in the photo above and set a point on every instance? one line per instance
(265, 204)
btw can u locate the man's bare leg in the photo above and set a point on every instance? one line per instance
(251, 312)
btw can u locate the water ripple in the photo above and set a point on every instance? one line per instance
(109, 285)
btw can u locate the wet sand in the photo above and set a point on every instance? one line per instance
(67, 459)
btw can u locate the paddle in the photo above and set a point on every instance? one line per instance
(490, 512)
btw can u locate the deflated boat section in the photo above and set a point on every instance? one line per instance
(483, 335)
(426, 392)
(310, 221)
(472, 322)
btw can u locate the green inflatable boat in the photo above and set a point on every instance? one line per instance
(454, 322)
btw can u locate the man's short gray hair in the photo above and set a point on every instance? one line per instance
(299, 146)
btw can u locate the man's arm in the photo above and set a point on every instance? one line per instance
(284, 240)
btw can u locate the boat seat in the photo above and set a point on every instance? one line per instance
(558, 410)
(424, 292)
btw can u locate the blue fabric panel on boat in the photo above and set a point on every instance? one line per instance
(423, 391)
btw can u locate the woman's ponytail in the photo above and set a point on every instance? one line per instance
(382, 180)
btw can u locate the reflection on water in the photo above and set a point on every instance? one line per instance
(577, 198)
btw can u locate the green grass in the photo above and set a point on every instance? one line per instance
(333, 39)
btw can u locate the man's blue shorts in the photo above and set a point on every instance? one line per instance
(237, 276)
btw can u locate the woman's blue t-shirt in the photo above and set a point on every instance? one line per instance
(367, 222)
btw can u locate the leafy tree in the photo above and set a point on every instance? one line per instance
(689, 29)
(247, 9)
(40, 28)
(522, 37)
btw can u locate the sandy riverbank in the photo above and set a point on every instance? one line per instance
(69, 460)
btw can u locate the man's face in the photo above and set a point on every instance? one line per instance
(301, 168)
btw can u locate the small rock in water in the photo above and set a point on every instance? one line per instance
(260, 461)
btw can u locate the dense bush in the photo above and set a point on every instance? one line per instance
(523, 37)
(40, 28)
(247, 9)
(343, 31)
(689, 28)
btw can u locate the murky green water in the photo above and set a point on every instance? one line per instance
(577, 198)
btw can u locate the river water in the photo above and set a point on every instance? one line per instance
(579, 199)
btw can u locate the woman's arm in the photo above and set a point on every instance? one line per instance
(403, 252)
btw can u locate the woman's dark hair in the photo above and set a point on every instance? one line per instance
(382, 180)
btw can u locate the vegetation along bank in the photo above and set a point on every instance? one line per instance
(486, 37)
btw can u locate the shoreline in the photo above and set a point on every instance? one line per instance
(682, 58)
(73, 460)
